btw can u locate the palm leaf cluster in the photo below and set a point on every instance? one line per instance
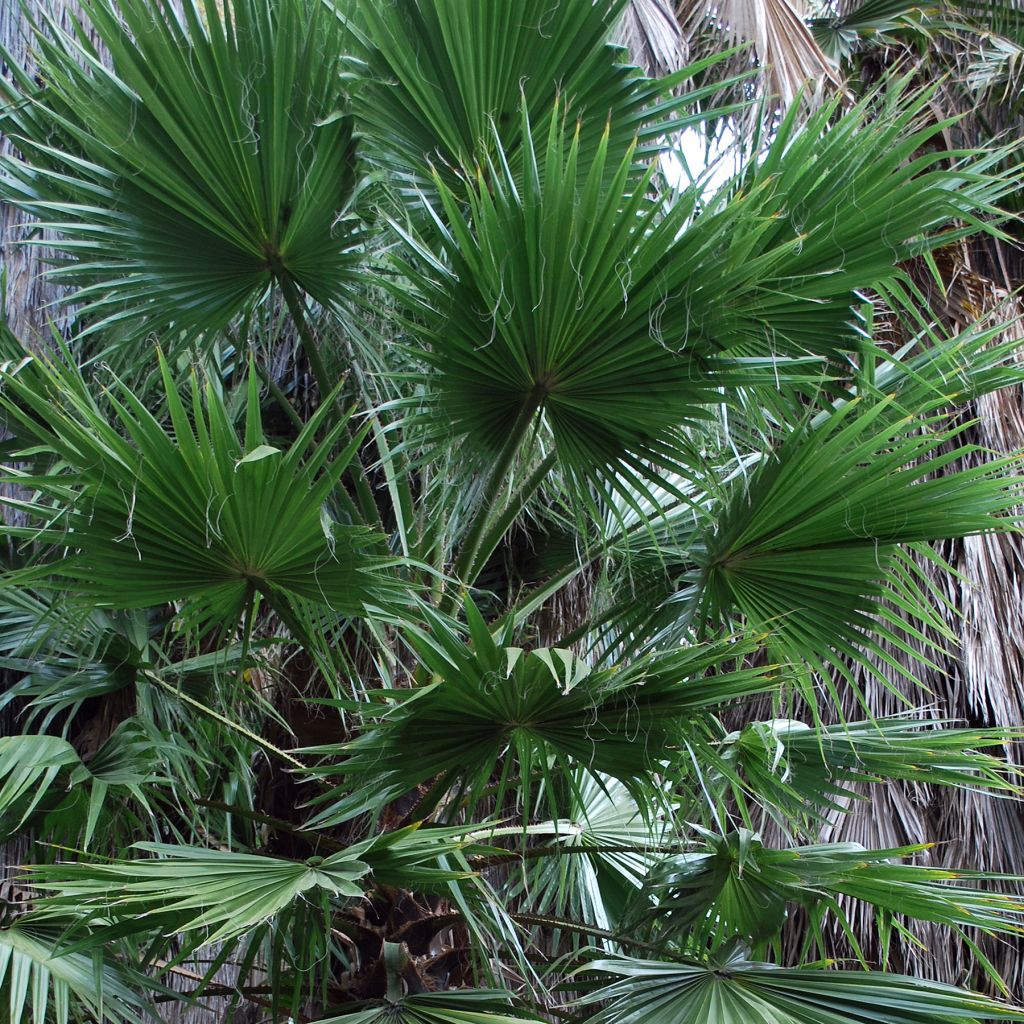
(967, 50)
(452, 681)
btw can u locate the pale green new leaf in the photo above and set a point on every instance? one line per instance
(600, 853)
(214, 894)
(34, 766)
(41, 982)
(30, 766)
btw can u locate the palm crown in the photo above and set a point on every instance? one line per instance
(467, 681)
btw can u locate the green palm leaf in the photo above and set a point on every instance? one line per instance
(34, 765)
(556, 313)
(40, 981)
(800, 770)
(151, 515)
(181, 185)
(807, 545)
(737, 991)
(503, 714)
(840, 201)
(934, 368)
(189, 889)
(560, 298)
(738, 887)
(29, 766)
(464, 1006)
(208, 896)
(447, 79)
(601, 850)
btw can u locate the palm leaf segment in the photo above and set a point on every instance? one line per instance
(734, 990)
(807, 546)
(209, 896)
(39, 984)
(468, 1006)
(193, 513)
(212, 156)
(32, 765)
(447, 79)
(791, 769)
(504, 713)
(740, 888)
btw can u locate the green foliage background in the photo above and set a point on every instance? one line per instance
(447, 546)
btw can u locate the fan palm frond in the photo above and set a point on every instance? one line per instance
(193, 513)
(506, 713)
(802, 770)
(601, 852)
(448, 79)
(821, 521)
(555, 303)
(35, 765)
(843, 199)
(739, 888)
(216, 895)
(466, 1006)
(734, 990)
(182, 186)
(40, 981)
(189, 889)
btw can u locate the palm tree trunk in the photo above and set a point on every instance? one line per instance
(28, 292)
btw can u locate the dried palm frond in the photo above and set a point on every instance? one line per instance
(978, 683)
(781, 40)
(651, 33)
